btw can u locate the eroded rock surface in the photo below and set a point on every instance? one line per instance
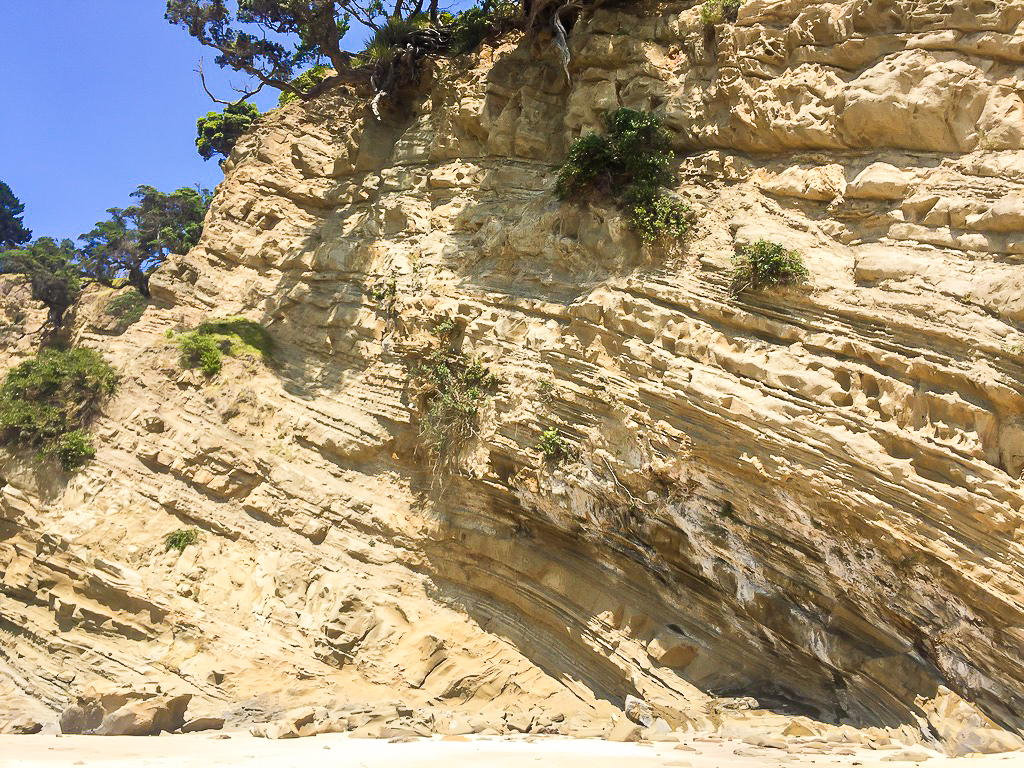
(811, 497)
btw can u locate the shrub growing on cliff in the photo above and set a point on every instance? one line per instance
(180, 539)
(48, 402)
(631, 165)
(220, 131)
(307, 81)
(200, 351)
(205, 347)
(127, 308)
(765, 264)
(555, 448)
(716, 11)
(451, 388)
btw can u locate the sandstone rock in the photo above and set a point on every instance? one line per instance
(203, 724)
(22, 726)
(639, 711)
(148, 717)
(624, 730)
(909, 756)
(964, 729)
(823, 477)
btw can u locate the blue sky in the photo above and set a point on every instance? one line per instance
(98, 97)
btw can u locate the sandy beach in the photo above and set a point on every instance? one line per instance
(339, 751)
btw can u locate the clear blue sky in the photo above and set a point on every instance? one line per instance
(96, 98)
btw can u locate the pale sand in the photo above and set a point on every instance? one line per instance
(338, 751)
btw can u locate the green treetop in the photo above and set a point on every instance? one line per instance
(134, 241)
(12, 231)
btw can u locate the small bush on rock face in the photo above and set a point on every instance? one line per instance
(554, 447)
(46, 403)
(183, 537)
(453, 387)
(630, 165)
(247, 337)
(305, 82)
(205, 347)
(73, 449)
(200, 351)
(218, 132)
(717, 11)
(126, 307)
(764, 265)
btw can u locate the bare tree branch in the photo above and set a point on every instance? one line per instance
(245, 94)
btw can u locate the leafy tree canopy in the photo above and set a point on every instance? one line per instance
(52, 271)
(287, 44)
(218, 131)
(12, 230)
(301, 33)
(134, 241)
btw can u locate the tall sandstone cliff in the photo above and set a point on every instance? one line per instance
(810, 496)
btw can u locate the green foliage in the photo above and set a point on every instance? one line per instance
(303, 83)
(181, 538)
(200, 351)
(716, 11)
(52, 271)
(445, 328)
(474, 25)
(546, 390)
(656, 215)
(137, 240)
(274, 40)
(452, 387)
(73, 449)
(47, 403)
(127, 307)
(12, 228)
(205, 347)
(765, 264)
(630, 165)
(555, 448)
(219, 131)
(244, 336)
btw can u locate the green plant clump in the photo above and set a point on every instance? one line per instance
(48, 402)
(205, 347)
(247, 337)
(554, 447)
(630, 165)
(199, 350)
(181, 538)
(126, 308)
(218, 132)
(765, 264)
(452, 387)
(73, 449)
(716, 11)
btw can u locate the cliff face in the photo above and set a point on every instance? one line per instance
(810, 496)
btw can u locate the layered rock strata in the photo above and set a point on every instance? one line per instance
(811, 496)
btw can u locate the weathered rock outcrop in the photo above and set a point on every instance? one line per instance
(812, 496)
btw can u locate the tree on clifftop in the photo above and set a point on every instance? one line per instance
(134, 241)
(12, 231)
(302, 33)
(276, 41)
(52, 271)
